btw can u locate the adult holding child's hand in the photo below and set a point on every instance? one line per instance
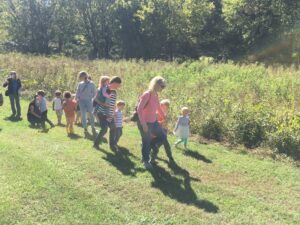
(150, 130)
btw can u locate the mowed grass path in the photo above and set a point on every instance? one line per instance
(51, 179)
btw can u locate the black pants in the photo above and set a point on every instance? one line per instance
(33, 120)
(155, 147)
(104, 124)
(15, 103)
(45, 119)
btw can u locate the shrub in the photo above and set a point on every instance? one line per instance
(213, 128)
(249, 130)
(286, 141)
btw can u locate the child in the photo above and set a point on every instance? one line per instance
(69, 106)
(119, 121)
(162, 120)
(102, 98)
(42, 103)
(182, 128)
(57, 106)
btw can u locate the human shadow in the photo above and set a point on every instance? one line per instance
(180, 189)
(196, 155)
(13, 119)
(74, 136)
(121, 160)
(90, 137)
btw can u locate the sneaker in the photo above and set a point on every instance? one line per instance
(148, 165)
(117, 147)
(113, 148)
(176, 145)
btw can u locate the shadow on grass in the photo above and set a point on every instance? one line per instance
(13, 119)
(121, 160)
(180, 189)
(74, 136)
(196, 155)
(89, 136)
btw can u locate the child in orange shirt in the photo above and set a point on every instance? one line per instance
(162, 120)
(69, 106)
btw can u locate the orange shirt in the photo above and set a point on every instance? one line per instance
(161, 119)
(70, 107)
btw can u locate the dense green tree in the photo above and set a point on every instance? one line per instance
(153, 29)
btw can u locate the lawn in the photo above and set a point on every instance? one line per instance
(48, 178)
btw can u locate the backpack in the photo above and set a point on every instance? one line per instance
(135, 117)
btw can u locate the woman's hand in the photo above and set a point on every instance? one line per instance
(145, 128)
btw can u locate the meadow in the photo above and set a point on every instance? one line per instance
(48, 178)
(249, 105)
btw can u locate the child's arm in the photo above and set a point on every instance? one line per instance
(126, 119)
(33, 113)
(104, 93)
(64, 104)
(176, 126)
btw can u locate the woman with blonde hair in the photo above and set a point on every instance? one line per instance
(150, 130)
(86, 91)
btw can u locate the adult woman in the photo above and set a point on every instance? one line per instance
(34, 114)
(13, 85)
(85, 93)
(150, 130)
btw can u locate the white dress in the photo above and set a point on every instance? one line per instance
(182, 128)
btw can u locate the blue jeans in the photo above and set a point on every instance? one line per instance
(104, 125)
(118, 135)
(147, 141)
(86, 106)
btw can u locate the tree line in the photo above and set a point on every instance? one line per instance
(153, 29)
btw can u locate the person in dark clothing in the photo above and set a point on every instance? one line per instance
(42, 103)
(34, 114)
(13, 85)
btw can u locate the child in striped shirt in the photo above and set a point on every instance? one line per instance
(119, 121)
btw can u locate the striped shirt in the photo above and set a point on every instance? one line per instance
(112, 105)
(119, 118)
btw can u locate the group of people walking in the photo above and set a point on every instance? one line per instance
(101, 105)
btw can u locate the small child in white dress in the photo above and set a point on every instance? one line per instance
(57, 106)
(182, 128)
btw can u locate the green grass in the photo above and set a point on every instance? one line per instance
(51, 179)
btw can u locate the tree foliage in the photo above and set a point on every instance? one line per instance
(152, 29)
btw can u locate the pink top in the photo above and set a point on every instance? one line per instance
(148, 114)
